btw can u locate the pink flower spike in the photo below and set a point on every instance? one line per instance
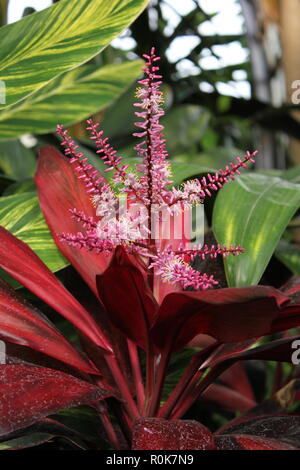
(91, 179)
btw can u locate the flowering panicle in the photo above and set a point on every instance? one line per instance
(155, 168)
(194, 191)
(174, 270)
(85, 171)
(130, 225)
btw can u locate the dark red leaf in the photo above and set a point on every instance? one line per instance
(236, 378)
(162, 434)
(275, 427)
(23, 264)
(229, 315)
(59, 191)
(230, 400)
(127, 297)
(29, 393)
(280, 350)
(21, 323)
(244, 442)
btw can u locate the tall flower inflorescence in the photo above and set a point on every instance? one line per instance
(128, 221)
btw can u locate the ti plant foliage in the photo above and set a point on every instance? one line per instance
(139, 313)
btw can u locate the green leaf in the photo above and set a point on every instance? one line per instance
(21, 215)
(25, 442)
(289, 255)
(184, 126)
(3, 12)
(253, 212)
(25, 186)
(292, 174)
(42, 46)
(69, 98)
(16, 161)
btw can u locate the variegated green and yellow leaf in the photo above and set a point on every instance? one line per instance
(42, 46)
(67, 99)
(21, 215)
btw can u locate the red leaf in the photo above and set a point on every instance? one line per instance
(24, 265)
(236, 378)
(173, 230)
(229, 399)
(23, 324)
(280, 350)
(275, 427)
(59, 191)
(29, 393)
(162, 434)
(244, 442)
(127, 297)
(229, 315)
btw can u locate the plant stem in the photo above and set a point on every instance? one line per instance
(150, 376)
(194, 390)
(118, 376)
(137, 374)
(161, 374)
(109, 429)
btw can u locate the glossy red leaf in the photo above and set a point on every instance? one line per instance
(279, 350)
(244, 442)
(162, 434)
(229, 315)
(127, 297)
(17, 259)
(29, 393)
(21, 323)
(60, 190)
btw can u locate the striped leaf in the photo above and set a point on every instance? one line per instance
(67, 99)
(21, 215)
(253, 212)
(42, 46)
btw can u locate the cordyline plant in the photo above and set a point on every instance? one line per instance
(139, 308)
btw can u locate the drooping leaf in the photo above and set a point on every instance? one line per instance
(16, 161)
(162, 434)
(69, 98)
(229, 315)
(18, 260)
(63, 37)
(23, 324)
(253, 212)
(30, 393)
(60, 190)
(22, 216)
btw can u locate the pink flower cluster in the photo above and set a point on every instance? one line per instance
(145, 187)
